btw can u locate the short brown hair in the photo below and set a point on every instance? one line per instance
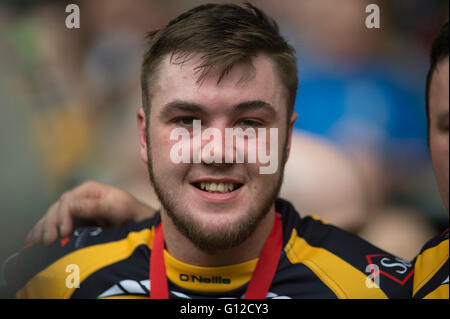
(224, 34)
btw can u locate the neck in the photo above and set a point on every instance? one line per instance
(185, 251)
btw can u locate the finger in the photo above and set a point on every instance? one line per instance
(68, 211)
(88, 208)
(89, 190)
(36, 234)
(50, 224)
(71, 202)
(28, 239)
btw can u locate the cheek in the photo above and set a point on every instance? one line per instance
(440, 155)
(269, 147)
(167, 170)
(160, 147)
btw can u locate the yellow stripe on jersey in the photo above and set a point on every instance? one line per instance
(208, 279)
(428, 263)
(126, 297)
(319, 219)
(341, 277)
(440, 292)
(51, 282)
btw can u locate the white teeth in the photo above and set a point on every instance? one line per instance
(217, 187)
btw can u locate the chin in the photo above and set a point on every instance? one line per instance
(219, 219)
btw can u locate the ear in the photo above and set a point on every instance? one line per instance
(294, 117)
(142, 129)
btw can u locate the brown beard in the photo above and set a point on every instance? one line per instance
(211, 242)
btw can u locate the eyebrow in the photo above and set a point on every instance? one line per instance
(254, 106)
(190, 107)
(183, 106)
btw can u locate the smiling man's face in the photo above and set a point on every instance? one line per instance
(211, 215)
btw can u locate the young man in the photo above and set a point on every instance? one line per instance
(431, 268)
(221, 231)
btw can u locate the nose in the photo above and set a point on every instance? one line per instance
(214, 147)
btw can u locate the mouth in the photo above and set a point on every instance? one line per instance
(222, 187)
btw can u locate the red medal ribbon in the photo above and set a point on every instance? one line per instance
(158, 277)
(267, 263)
(259, 283)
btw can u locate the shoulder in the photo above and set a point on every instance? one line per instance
(350, 266)
(431, 268)
(41, 272)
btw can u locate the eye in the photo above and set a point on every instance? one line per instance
(187, 121)
(249, 123)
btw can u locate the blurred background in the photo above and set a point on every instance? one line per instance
(68, 102)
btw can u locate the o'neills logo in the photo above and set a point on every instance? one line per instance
(205, 280)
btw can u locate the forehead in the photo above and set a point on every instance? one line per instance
(244, 82)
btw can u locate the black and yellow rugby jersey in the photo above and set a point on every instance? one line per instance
(431, 269)
(317, 261)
